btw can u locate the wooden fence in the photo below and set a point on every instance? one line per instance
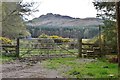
(11, 48)
(28, 46)
(91, 50)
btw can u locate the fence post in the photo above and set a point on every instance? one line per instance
(118, 33)
(17, 48)
(79, 47)
(100, 40)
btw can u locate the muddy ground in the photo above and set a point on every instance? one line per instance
(27, 68)
(18, 69)
(23, 70)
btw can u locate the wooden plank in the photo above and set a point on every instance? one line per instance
(87, 49)
(87, 44)
(9, 46)
(96, 48)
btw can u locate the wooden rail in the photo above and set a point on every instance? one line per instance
(92, 49)
(8, 46)
(11, 48)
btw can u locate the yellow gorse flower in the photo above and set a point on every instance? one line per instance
(55, 37)
(60, 38)
(5, 40)
(66, 40)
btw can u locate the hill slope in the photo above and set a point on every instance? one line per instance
(65, 26)
(62, 21)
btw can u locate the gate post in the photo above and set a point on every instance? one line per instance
(118, 34)
(79, 47)
(17, 48)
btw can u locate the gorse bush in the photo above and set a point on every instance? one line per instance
(43, 36)
(5, 40)
(57, 39)
(66, 40)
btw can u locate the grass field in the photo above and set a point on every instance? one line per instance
(78, 68)
(6, 59)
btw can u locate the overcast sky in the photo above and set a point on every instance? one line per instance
(73, 8)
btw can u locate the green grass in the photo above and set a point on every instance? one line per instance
(6, 59)
(72, 67)
(23, 52)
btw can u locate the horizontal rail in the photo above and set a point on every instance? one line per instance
(9, 46)
(88, 44)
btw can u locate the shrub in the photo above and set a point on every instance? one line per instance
(59, 39)
(66, 40)
(46, 42)
(55, 37)
(5, 40)
(43, 36)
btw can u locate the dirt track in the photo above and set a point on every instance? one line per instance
(19, 69)
(31, 68)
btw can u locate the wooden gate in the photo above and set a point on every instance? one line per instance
(46, 47)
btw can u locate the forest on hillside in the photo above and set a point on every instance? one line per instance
(70, 32)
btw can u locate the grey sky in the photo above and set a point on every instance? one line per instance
(73, 8)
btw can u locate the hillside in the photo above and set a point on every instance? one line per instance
(62, 21)
(65, 26)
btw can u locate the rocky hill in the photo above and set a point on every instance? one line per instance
(65, 26)
(62, 21)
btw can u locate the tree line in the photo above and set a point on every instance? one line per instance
(106, 11)
(68, 32)
(13, 16)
